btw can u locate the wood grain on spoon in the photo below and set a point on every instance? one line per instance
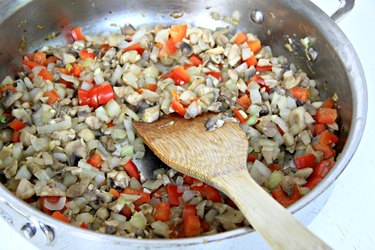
(219, 158)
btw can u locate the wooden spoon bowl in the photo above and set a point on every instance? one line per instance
(219, 158)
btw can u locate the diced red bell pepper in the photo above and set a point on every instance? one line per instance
(77, 34)
(168, 48)
(40, 58)
(8, 87)
(274, 167)
(199, 188)
(97, 95)
(46, 74)
(16, 136)
(260, 81)
(144, 197)
(238, 116)
(132, 170)
(251, 61)
(328, 103)
(30, 64)
(151, 86)
(77, 69)
(304, 161)
(327, 138)
(115, 193)
(215, 74)
(178, 107)
(318, 128)
(178, 75)
(137, 47)
(212, 194)
(192, 226)
(195, 60)
(251, 157)
(16, 125)
(50, 59)
(178, 32)
(189, 209)
(300, 93)
(58, 215)
(52, 95)
(105, 93)
(84, 54)
(126, 211)
(254, 45)
(322, 168)
(312, 182)
(244, 101)
(95, 160)
(173, 195)
(240, 38)
(326, 115)
(83, 97)
(189, 180)
(280, 196)
(84, 226)
(327, 150)
(263, 68)
(162, 211)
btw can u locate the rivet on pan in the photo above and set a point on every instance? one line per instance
(312, 54)
(257, 16)
(176, 14)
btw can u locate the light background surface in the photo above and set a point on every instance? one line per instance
(347, 220)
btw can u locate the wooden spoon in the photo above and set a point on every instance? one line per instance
(219, 158)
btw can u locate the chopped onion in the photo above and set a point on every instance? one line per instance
(161, 228)
(116, 74)
(86, 86)
(112, 108)
(102, 114)
(23, 172)
(274, 179)
(260, 172)
(55, 206)
(86, 218)
(138, 220)
(46, 129)
(187, 195)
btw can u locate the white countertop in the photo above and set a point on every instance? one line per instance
(347, 220)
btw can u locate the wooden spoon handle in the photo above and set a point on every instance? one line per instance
(278, 227)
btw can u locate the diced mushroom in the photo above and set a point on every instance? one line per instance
(51, 191)
(25, 189)
(10, 98)
(78, 189)
(64, 136)
(86, 134)
(93, 123)
(75, 150)
(287, 184)
(150, 96)
(151, 114)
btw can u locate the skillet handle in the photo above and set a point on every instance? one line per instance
(338, 12)
(345, 7)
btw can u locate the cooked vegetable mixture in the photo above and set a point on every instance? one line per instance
(67, 142)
